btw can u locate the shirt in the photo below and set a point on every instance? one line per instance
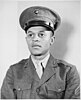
(37, 64)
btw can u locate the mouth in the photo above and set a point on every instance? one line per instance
(36, 46)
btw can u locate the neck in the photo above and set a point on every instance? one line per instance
(41, 57)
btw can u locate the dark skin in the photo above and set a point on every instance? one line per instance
(39, 40)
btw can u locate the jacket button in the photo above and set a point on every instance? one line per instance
(19, 89)
(59, 90)
(38, 90)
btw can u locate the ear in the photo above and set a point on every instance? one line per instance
(52, 40)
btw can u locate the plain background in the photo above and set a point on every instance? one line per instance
(13, 47)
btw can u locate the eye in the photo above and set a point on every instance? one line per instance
(30, 35)
(41, 34)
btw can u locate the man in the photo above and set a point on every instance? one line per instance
(41, 76)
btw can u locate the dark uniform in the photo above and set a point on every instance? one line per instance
(60, 80)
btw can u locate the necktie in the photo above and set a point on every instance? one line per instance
(42, 67)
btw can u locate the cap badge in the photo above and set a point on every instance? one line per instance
(36, 11)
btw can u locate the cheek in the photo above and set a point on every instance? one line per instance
(46, 43)
(28, 43)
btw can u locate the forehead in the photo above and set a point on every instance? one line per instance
(37, 29)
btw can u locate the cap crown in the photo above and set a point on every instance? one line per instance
(38, 13)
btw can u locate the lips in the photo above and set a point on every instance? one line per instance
(36, 45)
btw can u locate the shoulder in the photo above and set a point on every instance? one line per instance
(19, 65)
(64, 68)
(67, 69)
(64, 64)
(17, 69)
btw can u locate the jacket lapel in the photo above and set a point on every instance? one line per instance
(30, 70)
(31, 74)
(49, 70)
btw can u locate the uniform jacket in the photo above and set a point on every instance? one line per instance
(60, 80)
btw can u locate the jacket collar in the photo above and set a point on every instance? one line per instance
(31, 70)
(48, 72)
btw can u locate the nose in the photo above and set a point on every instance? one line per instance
(36, 38)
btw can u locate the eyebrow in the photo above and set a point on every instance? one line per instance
(39, 31)
(29, 31)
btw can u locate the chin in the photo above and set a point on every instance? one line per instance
(37, 54)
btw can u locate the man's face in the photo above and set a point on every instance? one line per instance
(39, 40)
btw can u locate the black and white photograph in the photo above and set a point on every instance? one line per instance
(40, 49)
